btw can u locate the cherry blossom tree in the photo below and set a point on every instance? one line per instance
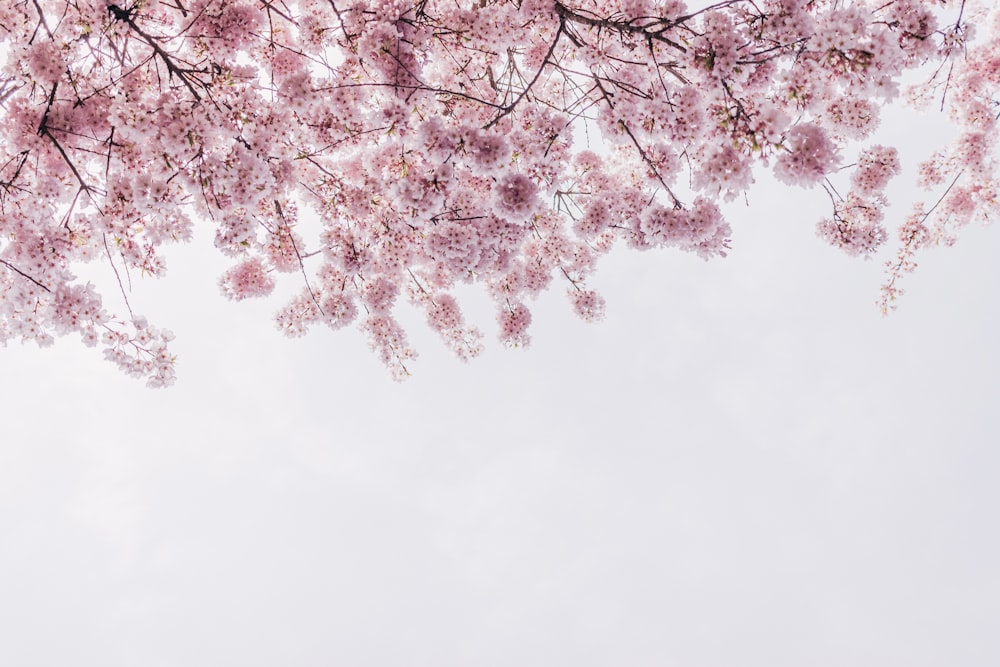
(504, 143)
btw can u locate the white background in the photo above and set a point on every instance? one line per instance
(745, 464)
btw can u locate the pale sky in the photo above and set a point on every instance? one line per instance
(744, 465)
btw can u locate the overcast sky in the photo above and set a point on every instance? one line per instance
(745, 464)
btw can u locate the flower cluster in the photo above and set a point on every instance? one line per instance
(143, 352)
(246, 280)
(856, 226)
(810, 155)
(514, 197)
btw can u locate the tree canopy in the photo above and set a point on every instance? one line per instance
(439, 142)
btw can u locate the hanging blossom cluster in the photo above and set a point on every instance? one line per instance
(444, 142)
(856, 226)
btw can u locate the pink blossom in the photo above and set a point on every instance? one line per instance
(388, 340)
(248, 279)
(456, 243)
(588, 304)
(514, 322)
(445, 317)
(810, 155)
(339, 310)
(856, 227)
(595, 219)
(487, 152)
(514, 197)
(44, 62)
(723, 169)
(876, 166)
(379, 294)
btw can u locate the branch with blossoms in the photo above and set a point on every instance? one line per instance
(184, 74)
(435, 143)
(23, 274)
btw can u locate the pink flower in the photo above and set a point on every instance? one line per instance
(514, 320)
(379, 294)
(248, 279)
(810, 155)
(588, 304)
(339, 310)
(45, 62)
(514, 197)
(856, 227)
(488, 151)
(876, 166)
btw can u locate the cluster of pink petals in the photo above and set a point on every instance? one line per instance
(143, 352)
(699, 229)
(514, 321)
(514, 197)
(588, 304)
(876, 167)
(810, 154)
(248, 279)
(856, 227)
